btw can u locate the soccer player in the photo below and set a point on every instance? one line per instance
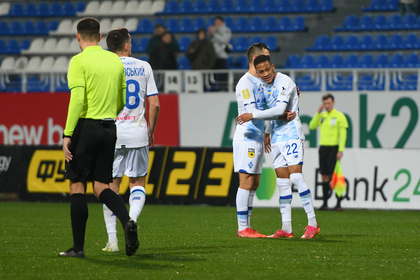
(134, 136)
(97, 84)
(287, 144)
(333, 127)
(248, 152)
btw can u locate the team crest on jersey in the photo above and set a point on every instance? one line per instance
(251, 152)
(245, 94)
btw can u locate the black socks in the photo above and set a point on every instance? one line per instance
(116, 204)
(79, 216)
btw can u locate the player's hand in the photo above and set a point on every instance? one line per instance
(298, 91)
(151, 139)
(321, 107)
(339, 155)
(267, 143)
(243, 118)
(66, 146)
(290, 115)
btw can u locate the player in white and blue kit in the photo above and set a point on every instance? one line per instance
(134, 136)
(287, 143)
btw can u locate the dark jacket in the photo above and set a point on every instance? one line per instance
(162, 57)
(201, 55)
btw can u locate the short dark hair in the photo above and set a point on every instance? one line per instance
(255, 49)
(117, 38)
(327, 96)
(88, 28)
(260, 59)
(219, 17)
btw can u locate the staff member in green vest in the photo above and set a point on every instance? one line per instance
(97, 83)
(333, 127)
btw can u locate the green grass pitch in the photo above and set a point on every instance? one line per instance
(199, 242)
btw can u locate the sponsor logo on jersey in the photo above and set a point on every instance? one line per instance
(245, 94)
(251, 152)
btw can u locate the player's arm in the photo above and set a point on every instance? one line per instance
(342, 134)
(73, 115)
(154, 107)
(269, 114)
(266, 139)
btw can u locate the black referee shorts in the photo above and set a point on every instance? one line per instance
(327, 159)
(92, 147)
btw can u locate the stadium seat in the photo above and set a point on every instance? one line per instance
(4, 28)
(336, 42)
(15, 28)
(50, 46)
(411, 82)
(396, 60)
(12, 46)
(240, 6)
(394, 22)
(74, 46)
(142, 44)
(256, 6)
(16, 10)
(36, 46)
(296, 6)
(255, 24)
(184, 43)
(131, 24)
(298, 24)
(80, 7)
(183, 63)
(380, 41)
(226, 6)
(349, 24)
(307, 61)
(283, 6)
(311, 6)
(381, 61)
(105, 8)
(21, 63)
(213, 6)
(365, 61)
(365, 42)
(326, 6)
(410, 42)
(321, 61)
(145, 26)
(118, 8)
(374, 5)
(320, 44)
(284, 23)
(105, 25)
(185, 25)
(394, 42)
(271, 42)
(145, 8)
(41, 28)
(336, 61)
(4, 8)
(54, 9)
(350, 43)
(132, 6)
(64, 27)
(28, 28)
(240, 44)
(171, 8)
(255, 39)
(229, 21)
(365, 23)
(198, 23)
(350, 61)
(185, 7)
(365, 82)
(309, 83)
(61, 64)
(67, 9)
(157, 6)
(199, 7)
(240, 62)
(408, 22)
(29, 10)
(62, 45)
(52, 25)
(34, 64)
(117, 23)
(8, 64)
(412, 60)
(241, 25)
(25, 44)
(380, 22)
(2, 46)
(172, 25)
(292, 61)
(92, 8)
(269, 24)
(47, 64)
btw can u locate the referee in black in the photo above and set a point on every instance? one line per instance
(97, 83)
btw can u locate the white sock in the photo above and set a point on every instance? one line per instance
(305, 197)
(242, 197)
(111, 225)
(285, 201)
(250, 202)
(137, 200)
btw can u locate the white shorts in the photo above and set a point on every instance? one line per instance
(133, 162)
(248, 156)
(287, 153)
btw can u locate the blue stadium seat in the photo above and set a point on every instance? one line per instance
(54, 9)
(349, 24)
(240, 62)
(350, 43)
(321, 61)
(80, 6)
(326, 6)
(298, 24)
(199, 7)
(29, 10)
(365, 61)
(4, 28)
(408, 21)
(365, 42)
(269, 6)
(142, 44)
(394, 22)
(380, 61)
(198, 23)
(391, 5)
(394, 42)
(296, 6)
(307, 61)
(336, 42)
(185, 7)
(67, 9)
(2, 46)
(12, 47)
(271, 42)
(172, 25)
(185, 25)
(336, 61)
(184, 43)
(41, 9)
(144, 26)
(229, 21)
(350, 61)
(256, 6)
(375, 5)
(255, 39)
(241, 25)
(365, 23)
(308, 83)
(380, 41)
(283, 6)
(380, 22)
(338, 82)
(292, 61)
(240, 6)
(213, 6)
(255, 24)
(25, 44)
(15, 28)
(269, 24)
(240, 44)
(171, 7)
(28, 28)
(412, 60)
(133, 44)
(284, 23)
(52, 25)
(311, 6)
(365, 82)
(410, 41)
(16, 10)
(144, 58)
(410, 82)
(226, 6)
(396, 60)
(320, 44)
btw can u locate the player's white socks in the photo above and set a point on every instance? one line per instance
(305, 197)
(285, 201)
(250, 202)
(242, 197)
(111, 225)
(137, 200)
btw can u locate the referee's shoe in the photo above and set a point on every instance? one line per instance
(131, 238)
